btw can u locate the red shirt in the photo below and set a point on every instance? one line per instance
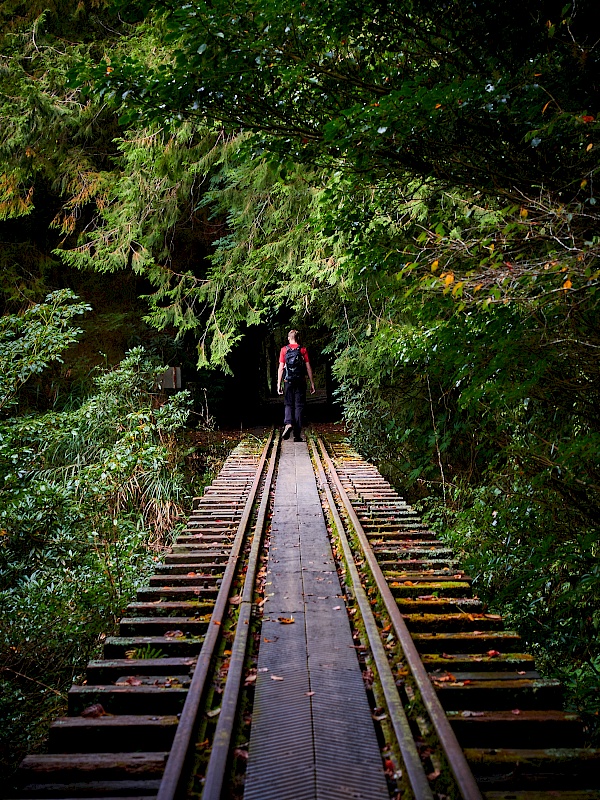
(293, 346)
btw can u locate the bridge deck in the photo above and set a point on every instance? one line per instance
(312, 731)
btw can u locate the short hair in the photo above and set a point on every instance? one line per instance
(293, 333)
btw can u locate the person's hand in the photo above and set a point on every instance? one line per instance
(280, 390)
(312, 388)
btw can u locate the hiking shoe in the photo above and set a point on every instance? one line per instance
(287, 431)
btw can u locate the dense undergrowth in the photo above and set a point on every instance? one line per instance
(91, 496)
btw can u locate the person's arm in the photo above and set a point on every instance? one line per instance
(280, 378)
(310, 377)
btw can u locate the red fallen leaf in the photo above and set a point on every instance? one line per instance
(493, 653)
(389, 765)
(270, 640)
(458, 576)
(286, 620)
(174, 635)
(516, 711)
(95, 711)
(387, 628)
(466, 683)
(191, 575)
(276, 678)
(133, 681)
(444, 678)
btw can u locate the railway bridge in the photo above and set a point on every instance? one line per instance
(308, 637)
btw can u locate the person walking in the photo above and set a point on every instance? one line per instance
(294, 366)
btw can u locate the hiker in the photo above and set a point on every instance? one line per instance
(294, 366)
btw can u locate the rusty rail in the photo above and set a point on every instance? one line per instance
(412, 762)
(452, 749)
(174, 774)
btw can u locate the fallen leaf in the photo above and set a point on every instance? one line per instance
(286, 620)
(379, 718)
(433, 775)
(270, 640)
(443, 678)
(263, 669)
(516, 711)
(472, 713)
(276, 678)
(132, 681)
(174, 635)
(240, 753)
(425, 597)
(191, 574)
(308, 694)
(521, 672)
(493, 653)
(447, 655)
(250, 679)
(214, 712)
(91, 712)
(235, 600)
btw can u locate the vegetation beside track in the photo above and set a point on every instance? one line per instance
(91, 495)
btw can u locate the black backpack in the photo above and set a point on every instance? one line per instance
(295, 367)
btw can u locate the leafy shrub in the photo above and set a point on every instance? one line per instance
(90, 496)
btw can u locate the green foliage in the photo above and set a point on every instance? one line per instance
(479, 96)
(90, 496)
(30, 341)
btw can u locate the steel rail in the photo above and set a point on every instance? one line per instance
(413, 765)
(174, 769)
(454, 754)
(219, 755)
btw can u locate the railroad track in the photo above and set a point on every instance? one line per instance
(513, 736)
(462, 708)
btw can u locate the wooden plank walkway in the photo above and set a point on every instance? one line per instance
(312, 731)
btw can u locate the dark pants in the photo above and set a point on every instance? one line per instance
(294, 397)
